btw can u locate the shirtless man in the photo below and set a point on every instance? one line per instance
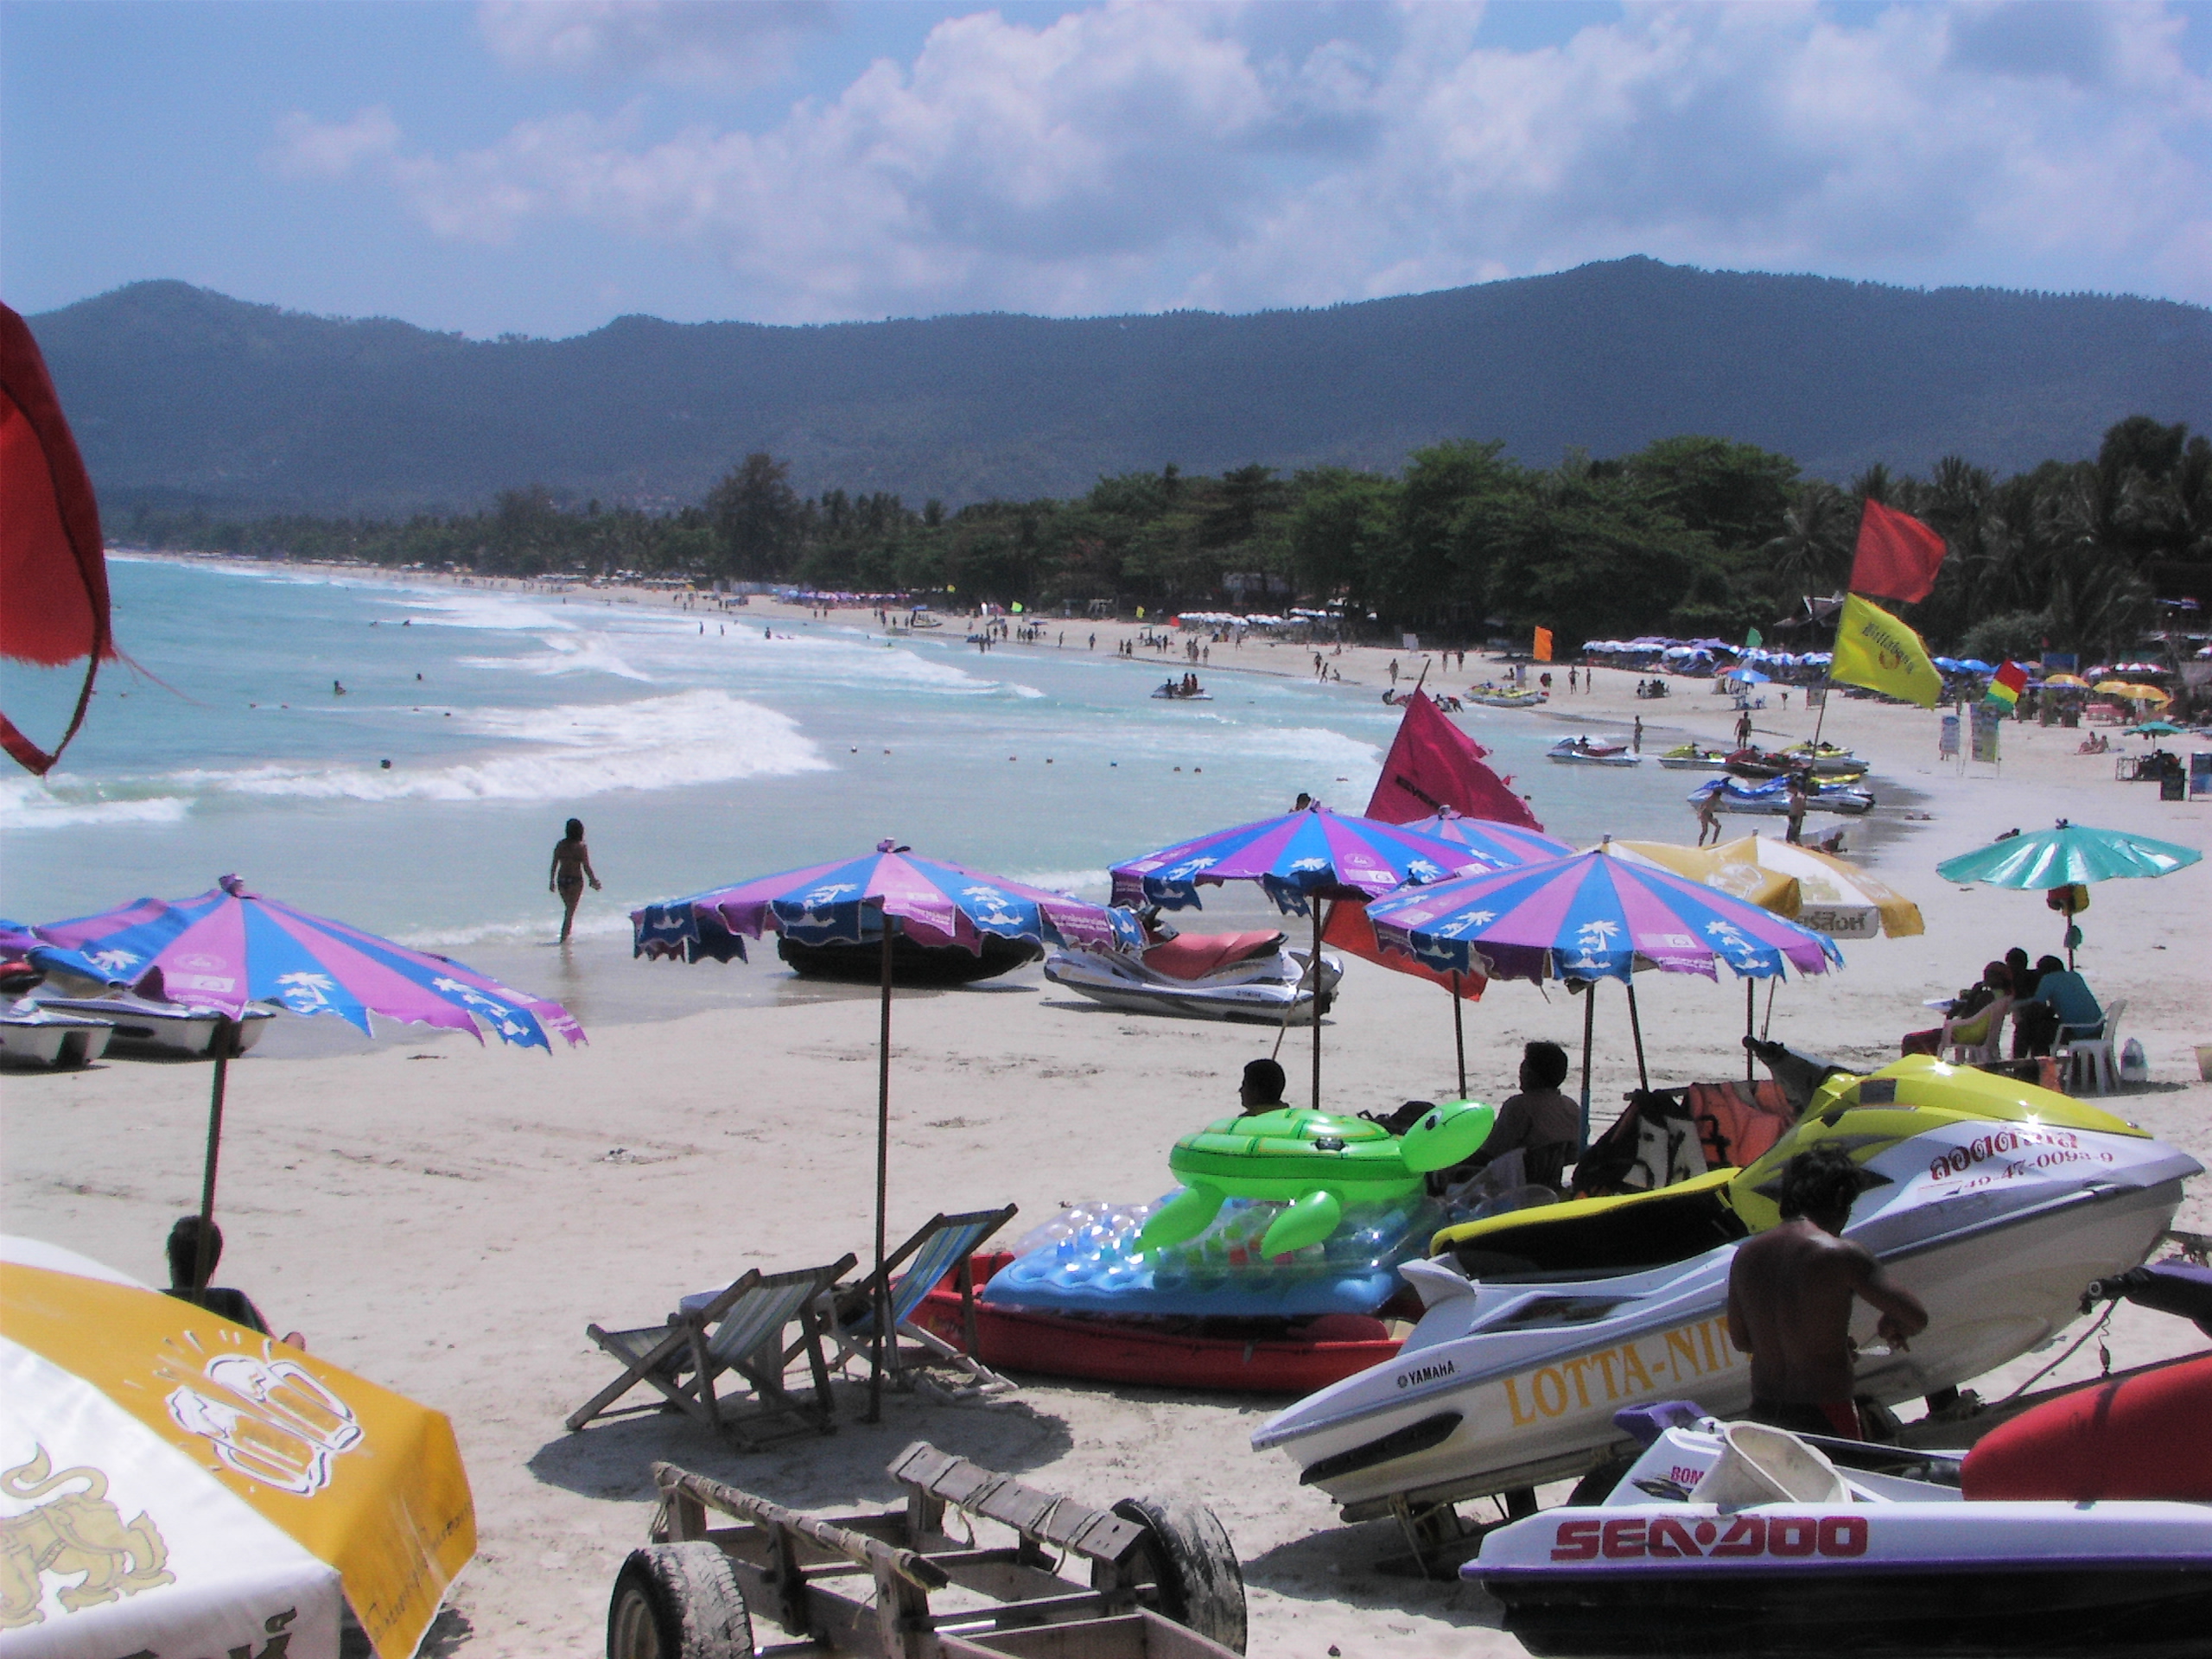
(1789, 1295)
(1262, 1089)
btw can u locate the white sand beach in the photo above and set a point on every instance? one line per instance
(445, 1219)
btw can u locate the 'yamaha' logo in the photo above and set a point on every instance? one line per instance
(1422, 1374)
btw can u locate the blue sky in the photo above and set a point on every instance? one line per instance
(542, 166)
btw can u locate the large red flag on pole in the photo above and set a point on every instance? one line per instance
(53, 573)
(1897, 555)
(1433, 764)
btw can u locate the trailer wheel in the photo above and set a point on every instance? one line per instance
(1191, 1561)
(677, 1601)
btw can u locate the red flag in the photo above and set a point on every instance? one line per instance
(1897, 555)
(1433, 764)
(53, 573)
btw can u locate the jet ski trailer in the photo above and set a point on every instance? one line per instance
(1738, 1540)
(1997, 1202)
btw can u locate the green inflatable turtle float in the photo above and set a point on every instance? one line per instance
(1316, 1161)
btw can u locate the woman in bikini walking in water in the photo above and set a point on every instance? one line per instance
(571, 869)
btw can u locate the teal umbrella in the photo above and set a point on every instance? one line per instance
(2068, 855)
(2155, 728)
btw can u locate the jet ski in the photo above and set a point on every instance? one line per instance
(1839, 764)
(151, 1026)
(1772, 798)
(1205, 976)
(1504, 696)
(912, 961)
(1693, 757)
(32, 1035)
(1739, 1540)
(1996, 1202)
(1592, 751)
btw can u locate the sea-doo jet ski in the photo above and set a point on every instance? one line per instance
(1997, 1202)
(1592, 751)
(1252, 976)
(1771, 799)
(1739, 1540)
(153, 1025)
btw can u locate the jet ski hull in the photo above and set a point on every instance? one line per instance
(1530, 1367)
(142, 1026)
(1261, 990)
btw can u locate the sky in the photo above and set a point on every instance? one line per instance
(540, 166)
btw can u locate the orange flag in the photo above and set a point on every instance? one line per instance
(1544, 645)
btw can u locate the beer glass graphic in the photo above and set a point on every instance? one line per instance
(272, 1422)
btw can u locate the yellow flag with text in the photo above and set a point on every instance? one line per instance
(1873, 649)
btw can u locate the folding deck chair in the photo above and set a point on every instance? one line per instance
(742, 1330)
(942, 1245)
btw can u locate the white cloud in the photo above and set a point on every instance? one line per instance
(1138, 156)
(736, 41)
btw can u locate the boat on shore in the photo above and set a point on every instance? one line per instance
(1839, 766)
(32, 1035)
(1997, 1203)
(1693, 757)
(148, 1026)
(1592, 751)
(1251, 976)
(1771, 799)
(1506, 696)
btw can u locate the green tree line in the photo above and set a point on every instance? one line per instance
(1690, 536)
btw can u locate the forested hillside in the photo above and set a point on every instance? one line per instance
(182, 396)
(1689, 535)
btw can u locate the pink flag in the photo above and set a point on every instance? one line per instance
(1433, 764)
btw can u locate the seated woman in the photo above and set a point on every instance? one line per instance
(1974, 1014)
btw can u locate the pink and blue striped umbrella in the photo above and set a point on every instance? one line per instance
(1594, 916)
(1311, 853)
(229, 947)
(1501, 845)
(935, 903)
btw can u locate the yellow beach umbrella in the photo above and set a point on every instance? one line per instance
(2134, 693)
(2074, 681)
(1816, 889)
(220, 1492)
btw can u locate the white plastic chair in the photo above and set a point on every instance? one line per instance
(1983, 1050)
(2094, 1060)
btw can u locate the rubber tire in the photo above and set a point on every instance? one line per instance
(1194, 1565)
(1597, 1485)
(677, 1601)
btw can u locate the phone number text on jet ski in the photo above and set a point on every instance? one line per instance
(2011, 1152)
(1686, 1352)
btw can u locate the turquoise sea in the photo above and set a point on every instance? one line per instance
(697, 750)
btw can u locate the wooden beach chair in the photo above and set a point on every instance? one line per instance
(738, 1330)
(942, 1245)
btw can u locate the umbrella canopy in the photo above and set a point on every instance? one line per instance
(1594, 915)
(229, 947)
(2067, 857)
(2133, 693)
(2070, 682)
(225, 1490)
(2069, 854)
(1814, 889)
(1500, 846)
(1313, 853)
(872, 898)
(2156, 728)
(1748, 676)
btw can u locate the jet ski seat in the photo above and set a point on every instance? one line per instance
(1606, 1238)
(1193, 956)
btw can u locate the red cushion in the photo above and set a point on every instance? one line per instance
(2143, 1437)
(1193, 956)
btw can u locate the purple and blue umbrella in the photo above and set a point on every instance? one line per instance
(1594, 916)
(859, 900)
(1311, 853)
(229, 947)
(1298, 860)
(1501, 845)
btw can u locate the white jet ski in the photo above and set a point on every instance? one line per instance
(1592, 751)
(1204, 975)
(32, 1035)
(144, 1025)
(1995, 1202)
(2061, 1534)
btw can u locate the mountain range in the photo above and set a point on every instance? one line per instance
(182, 395)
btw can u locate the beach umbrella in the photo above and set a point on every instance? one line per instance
(866, 900)
(217, 1491)
(1748, 676)
(229, 947)
(2133, 693)
(2068, 856)
(2067, 682)
(1592, 916)
(1299, 860)
(1975, 665)
(2156, 728)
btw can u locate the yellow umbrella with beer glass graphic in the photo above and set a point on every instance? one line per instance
(172, 1483)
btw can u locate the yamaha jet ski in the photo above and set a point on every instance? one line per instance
(1996, 1202)
(1207, 975)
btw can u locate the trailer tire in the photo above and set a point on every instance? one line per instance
(1194, 1565)
(677, 1601)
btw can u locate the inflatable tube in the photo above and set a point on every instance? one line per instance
(2141, 1437)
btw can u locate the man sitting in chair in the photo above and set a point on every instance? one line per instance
(1262, 1089)
(184, 1268)
(1542, 1124)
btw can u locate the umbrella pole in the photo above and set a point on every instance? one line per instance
(1589, 1015)
(1767, 1029)
(203, 1268)
(1458, 1035)
(1317, 1005)
(882, 1186)
(1751, 990)
(1635, 1030)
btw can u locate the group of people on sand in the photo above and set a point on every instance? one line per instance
(2042, 1000)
